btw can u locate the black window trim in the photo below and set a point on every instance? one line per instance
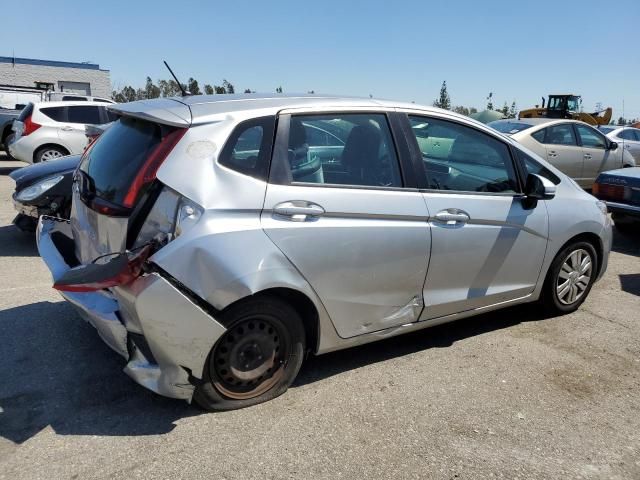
(579, 138)
(280, 174)
(418, 163)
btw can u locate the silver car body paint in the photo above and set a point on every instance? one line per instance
(376, 264)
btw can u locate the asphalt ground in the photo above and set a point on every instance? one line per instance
(509, 394)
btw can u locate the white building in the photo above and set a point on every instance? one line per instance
(82, 78)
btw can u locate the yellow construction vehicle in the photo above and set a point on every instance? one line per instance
(567, 106)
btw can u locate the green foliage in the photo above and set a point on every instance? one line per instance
(490, 101)
(513, 111)
(279, 90)
(208, 89)
(444, 101)
(228, 86)
(193, 87)
(151, 90)
(505, 110)
(462, 110)
(247, 90)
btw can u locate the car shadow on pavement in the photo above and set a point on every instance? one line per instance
(16, 243)
(441, 336)
(57, 372)
(630, 283)
(8, 170)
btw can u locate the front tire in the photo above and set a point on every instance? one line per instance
(256, 359)
(570, 278)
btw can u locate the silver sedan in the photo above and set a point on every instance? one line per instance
(215, 241)
(627, 137)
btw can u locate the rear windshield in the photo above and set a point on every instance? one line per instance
(118, 155)
(509, 127)
(26, 112)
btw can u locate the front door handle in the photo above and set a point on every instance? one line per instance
(587, 156)
(298, 210)
(67, 129)
(552, 154)
(452, 216)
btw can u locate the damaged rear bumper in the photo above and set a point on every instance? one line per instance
(162, 334)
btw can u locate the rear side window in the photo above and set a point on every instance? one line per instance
(248, 149)
(84, 114)
(627, 134)
(59, 114)
(71, 98)
(118, 155)
(560, 135)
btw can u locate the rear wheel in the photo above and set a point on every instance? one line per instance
(256, 359)
(570, 278)
(50, 152)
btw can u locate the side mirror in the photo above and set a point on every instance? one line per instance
(539, 188)
(613, 145)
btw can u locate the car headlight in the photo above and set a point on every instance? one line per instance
(37, 189)
(602, 206)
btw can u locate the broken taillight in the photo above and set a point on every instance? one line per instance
(147, 173)
(120, 270)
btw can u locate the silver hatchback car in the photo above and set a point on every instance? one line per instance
(214, 241)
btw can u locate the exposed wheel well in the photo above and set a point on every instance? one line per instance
(6, 132)
(594, 240)
(305, 308)
(49, 145)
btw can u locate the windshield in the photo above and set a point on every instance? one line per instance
(509, 127)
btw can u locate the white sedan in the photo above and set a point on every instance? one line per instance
(628, 137)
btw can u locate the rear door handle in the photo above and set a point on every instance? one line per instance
(298, 210)
(452, 216)
(552, 154)
(587, 156)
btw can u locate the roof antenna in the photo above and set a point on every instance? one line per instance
(185, 93)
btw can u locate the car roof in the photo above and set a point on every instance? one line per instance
(194, 109)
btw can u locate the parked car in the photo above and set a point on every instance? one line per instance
(215, 240)
(620, 189)
(7, 116)
(49, 130)
(628, 137)
(575, 148)
(75, 97)
(45, 188)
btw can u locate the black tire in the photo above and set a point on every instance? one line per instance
(269, 335)
(551, 300)
(48, 150)
(6, 143)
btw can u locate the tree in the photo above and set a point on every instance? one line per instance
(621, 121)
(248, 90)
(505, 110)
(208, 89)
(151, 90)
(513, 110)
(462, 110)
(193, 87)
(444, 101)
(169, 88)
(279, 90)
(228, 86)
(473, 110)
(219, 89)
(490, 101)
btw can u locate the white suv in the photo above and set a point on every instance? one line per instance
(49, 130)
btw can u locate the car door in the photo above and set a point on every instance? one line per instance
(72, 132)
(562, 149)
(629, 140)
(597, 156)
(487, 243)
(355, 228)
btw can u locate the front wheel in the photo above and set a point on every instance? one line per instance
(570, 278)
(256, 359)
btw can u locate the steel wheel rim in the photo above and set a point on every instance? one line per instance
(574, 276)
(250, 358)
(50, 155)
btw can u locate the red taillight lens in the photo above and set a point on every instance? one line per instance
(121, 270)
(147, 173)
(606, 191)
(29, 126)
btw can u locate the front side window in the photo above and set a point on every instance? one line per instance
(590, 137)
(84, 114)
(461, 158)
(248, 149)
(343, 149)
(560, 135)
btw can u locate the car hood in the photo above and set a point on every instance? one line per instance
(26, 176)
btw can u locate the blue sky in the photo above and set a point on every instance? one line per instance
(403, 50)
